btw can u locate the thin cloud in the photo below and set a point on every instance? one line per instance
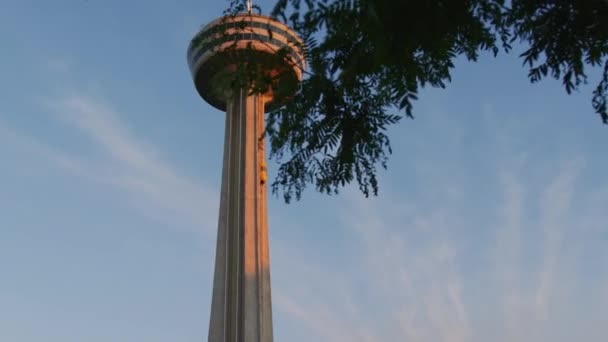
(154, 186)
(414, 279)
(151, 185)
(529, 296)
(399, 291)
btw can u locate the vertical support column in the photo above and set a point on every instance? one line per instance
(241, 306)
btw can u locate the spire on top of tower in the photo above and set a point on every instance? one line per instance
(249, 6)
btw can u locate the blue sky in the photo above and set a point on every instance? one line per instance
(490, 225)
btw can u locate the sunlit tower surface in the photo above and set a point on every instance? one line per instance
(241, 303)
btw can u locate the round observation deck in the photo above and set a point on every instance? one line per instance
(230, 41)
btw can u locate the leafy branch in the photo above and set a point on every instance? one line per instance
(368, 59)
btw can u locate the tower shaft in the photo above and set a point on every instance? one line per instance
(241, 305)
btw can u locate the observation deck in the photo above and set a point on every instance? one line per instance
(231, 42)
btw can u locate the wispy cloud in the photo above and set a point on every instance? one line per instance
(415, 280)
(153, 185)
(528, 278)
(412, 262)
(150, 184)
(402, 284)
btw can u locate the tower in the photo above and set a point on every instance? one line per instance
(241, 303)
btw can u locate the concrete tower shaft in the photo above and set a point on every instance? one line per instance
(241, 304)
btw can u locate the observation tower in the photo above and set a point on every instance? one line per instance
(219, 52)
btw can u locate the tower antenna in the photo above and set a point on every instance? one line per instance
(249, 6)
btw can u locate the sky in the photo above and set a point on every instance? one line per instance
(490, 224)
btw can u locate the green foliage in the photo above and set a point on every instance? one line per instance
(368, 58)
(563, 37)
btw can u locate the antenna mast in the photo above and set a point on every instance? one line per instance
(249, 6)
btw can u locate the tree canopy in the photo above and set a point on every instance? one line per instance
(368, 60)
